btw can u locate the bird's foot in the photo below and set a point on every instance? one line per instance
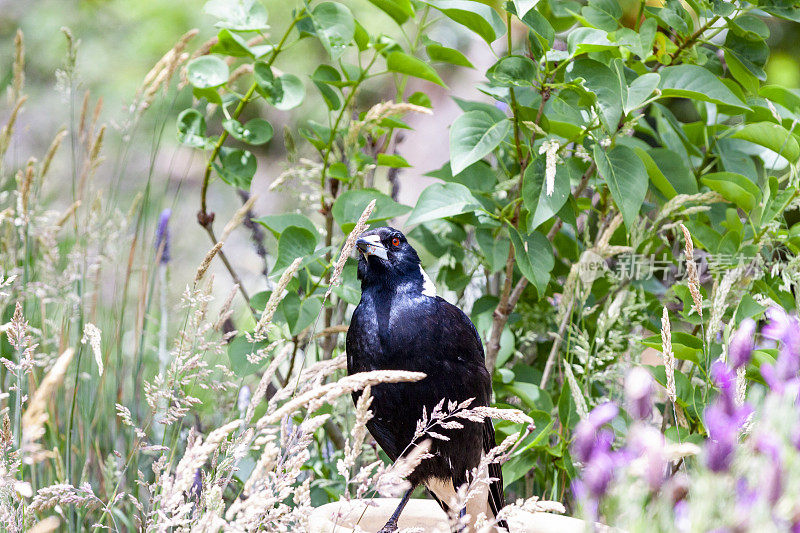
(389, 527)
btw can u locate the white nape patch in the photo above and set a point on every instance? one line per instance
(373, 239)
(428, 288)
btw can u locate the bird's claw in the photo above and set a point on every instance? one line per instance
(390, 527)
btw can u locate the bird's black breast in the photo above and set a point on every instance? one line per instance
(391, 331)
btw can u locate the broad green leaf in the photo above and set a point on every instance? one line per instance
(684, 345)
(267, 84)
(626, 177)
(512, 71)
(335, 27)
(323, 77)
(293, 92)
(294, 242)
(772, 136)
(238, 167)
(691, 81)
(667, 172)
(278, 223)
(534, 256)
(192, 128)
(605, 83)
(441, 53)
(238, 350)
(539, 25)
(205, 72)
(238, 15)
(522, 7)
(476, 16)
(406, 64)
(256, 131)
(734, 188)
(231, 44)
(640, 91)
(584, 40)
(783, 96)
(299, 313)
(392, 160)
(474, 135)
(534, 193)
(603, 14)
(399, 10)
(442, 200)
(479, 176)
(350, 204)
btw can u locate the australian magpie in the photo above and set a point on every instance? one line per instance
(401, 324)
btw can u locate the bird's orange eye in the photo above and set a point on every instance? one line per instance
(395, 242)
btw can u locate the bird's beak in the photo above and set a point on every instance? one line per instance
(371, 245)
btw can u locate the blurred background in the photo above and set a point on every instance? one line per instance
(120, 40)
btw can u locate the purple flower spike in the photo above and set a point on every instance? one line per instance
(162, 236)
(638, 391)
(588, 437)
(742, 342)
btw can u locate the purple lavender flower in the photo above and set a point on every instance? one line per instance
(646, 445)
(588, 438)
(742, 342)
(162, 236)
(638, 391)
(785, 330)
(772, 477)
(724, 418)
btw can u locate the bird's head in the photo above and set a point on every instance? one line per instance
(387, 259)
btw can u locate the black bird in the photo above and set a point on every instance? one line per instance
(401, 324)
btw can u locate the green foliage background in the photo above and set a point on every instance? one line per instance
(643, 116)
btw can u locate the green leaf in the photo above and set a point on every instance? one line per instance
(267, 84)
(350, 204)
(667, 172)
(734, 188)
(534, 193)
(392, 160)
(299, 313)
(278, 223)
(406, 64)
(399, 10)
(603, 14)
(205, 72)
(294, 242)
(443, 54)
(684, 345)
(772, 136)
(783, 96)
(522, 7)
(293, 92)
(256, 131)
(534, 256)
(539, 25)
(605, 84)
(474, 135)
(335, 27)
(476, 16)
(192, 128)
(640, 91)
(585, 40)
(322, 77)
(479, 176)
(442, 200)
(231, 44)
(238, 350)
(421, 99)
(691, 81)
(238, 15)
(238, 167)
(626, 177)
(512, 71)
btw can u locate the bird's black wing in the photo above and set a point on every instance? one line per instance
(496, 499)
